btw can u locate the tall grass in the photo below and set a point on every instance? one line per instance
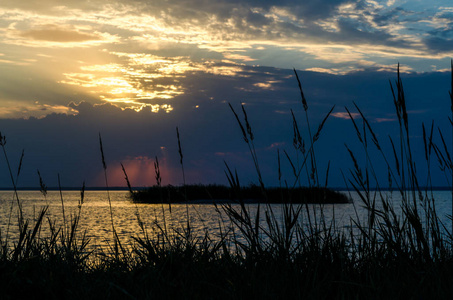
(389, 255)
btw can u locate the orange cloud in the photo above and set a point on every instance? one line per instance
(345, 115)
(59, 35)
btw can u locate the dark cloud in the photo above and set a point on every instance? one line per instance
(354, 32)
(252, 19)
(389, 17)
(446, 15)
(439, 44)
(253, 24)
(440, 39)
(314, 10)
(306, 10)
(69, 145)
(285, 22)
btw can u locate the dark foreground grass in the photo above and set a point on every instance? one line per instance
(390, 255)
(318, 269)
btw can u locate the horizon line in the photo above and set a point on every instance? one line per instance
(121, 188)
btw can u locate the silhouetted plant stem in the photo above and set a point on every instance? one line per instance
(314, 170)
(248, 138)
(61, 197)
(161, 196)
(451, 122)
(3, 143)
(127, 180)
(159, 182)
(20, 166)
(157, 172)
(183, 178)
(315, 138)
(104, 166)
(181, 156)
(299, 145)
(12, 202)
(82, 199)
(386, 254)
(132, 195)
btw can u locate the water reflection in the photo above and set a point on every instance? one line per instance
(203, 218)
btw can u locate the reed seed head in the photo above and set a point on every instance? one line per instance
(82, 195)
(247, 124)
(304, 101)
(157, 171)
(179, 146)
(373, 136)
(104, 165)
(297, 138)
(127, 179)
(2, 140)
(20, 163)
(244, 135)
(316, 136)
(43, 187)
(359, 135)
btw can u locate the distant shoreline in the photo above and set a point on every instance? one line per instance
(442, 188)
(70, 189)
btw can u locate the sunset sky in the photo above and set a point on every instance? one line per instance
(133, 70)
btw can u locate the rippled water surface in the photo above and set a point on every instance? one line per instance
(96, 221)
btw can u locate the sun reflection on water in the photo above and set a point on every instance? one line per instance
(204, 217)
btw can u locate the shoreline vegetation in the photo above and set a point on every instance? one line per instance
(403, 252)
(251, 194)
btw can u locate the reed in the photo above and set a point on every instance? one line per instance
(181, 161)
(117, 246)
(312, 150)
(13, 181)
(389, 255)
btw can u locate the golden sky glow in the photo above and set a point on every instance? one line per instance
(136, 54)
(136, 69)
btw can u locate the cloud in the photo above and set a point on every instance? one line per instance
(68, 143)
(149, 66)
(144, 80)
(34, 111)
(55, 34)
(233, 30)
(439, 44)
(345, 115)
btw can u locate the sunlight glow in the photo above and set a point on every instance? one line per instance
(146, 54)
(140, 171)
(37, 110)
(142, 78)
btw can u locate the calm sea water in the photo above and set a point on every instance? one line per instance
(203, 217)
